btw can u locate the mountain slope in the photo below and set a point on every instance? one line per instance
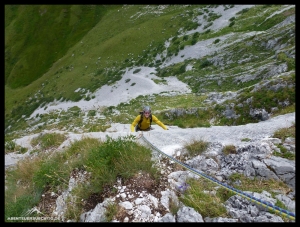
(228, 48)
(222, 73)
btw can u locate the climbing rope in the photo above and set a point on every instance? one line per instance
(278, 210)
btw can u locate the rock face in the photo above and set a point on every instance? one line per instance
(252, 161)
(142, 200)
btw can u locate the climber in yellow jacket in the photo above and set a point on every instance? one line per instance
(143, 121)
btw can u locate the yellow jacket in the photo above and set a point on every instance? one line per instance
(146, 123)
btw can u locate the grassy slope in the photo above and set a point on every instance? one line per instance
(38, 35)
(120, 39)
(111, 39)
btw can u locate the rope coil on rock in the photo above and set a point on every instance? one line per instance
(265, 204)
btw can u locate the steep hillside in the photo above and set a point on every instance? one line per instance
(31, 29)
(220, 77)
(248, 51)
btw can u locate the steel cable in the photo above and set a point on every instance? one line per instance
(265, 204)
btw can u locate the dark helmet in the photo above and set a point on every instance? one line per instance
(147, 109)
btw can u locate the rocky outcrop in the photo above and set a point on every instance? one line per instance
(254, 160)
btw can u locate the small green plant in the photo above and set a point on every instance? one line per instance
(246, 139)
(198, 197)
(23, 150)
(111, 211)
(285, 133)
(87, 98)
(136, 71)
(98, 127)
(229, 149)
(231, 23)
(92, 113)
(158, 81)
(224, 194)
(256, 184)
(243, 11)
(216, 41)
(284, 153)
(208, 30)
(34, 151)
(48, 140)
(196, 147)
(205, 63)
(173, 206)
(194, 41)
(74, 207)
(11, 146)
